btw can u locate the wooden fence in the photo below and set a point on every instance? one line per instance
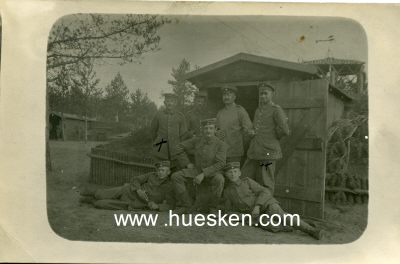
(346, 190)
(112, 168)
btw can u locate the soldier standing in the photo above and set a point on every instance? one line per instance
(270, 124)
(244, 195)
(205, 174)
(153, 191)
(168, 128)
(233, 121)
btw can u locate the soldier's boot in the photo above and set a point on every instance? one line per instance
(314, 232)
(276, 229)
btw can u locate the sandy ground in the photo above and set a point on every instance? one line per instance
(71, 220)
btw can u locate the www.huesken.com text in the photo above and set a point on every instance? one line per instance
(219, 219)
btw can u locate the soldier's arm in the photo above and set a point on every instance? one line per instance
(139, 180)
(226, 204)
(190, 127)
(183, 131)
(262, 193)
(281, 122)
(154, 127)
(247, 125)
(169, 202)
(220, 160)
(228, 207)
(219, 133)
(182, 149)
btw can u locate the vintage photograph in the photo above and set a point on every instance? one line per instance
(207, 129)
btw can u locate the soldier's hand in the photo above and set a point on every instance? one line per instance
(142, 194)
(199, 178)
(190, 166)
(256, 211)
(251, 132)
(152, 205)
(163, 207)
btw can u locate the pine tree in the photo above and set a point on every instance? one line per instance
(182, 88)
(142, 109)
(116, 99)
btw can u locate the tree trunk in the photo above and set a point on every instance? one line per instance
(49, 166)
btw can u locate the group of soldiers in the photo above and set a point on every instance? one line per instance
(198, 161)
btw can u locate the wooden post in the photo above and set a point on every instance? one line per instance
(86, 128)
(62, 126)
(49, 166)
(360, 81)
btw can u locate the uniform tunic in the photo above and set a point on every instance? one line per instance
(209, 154)
(170, 126)
(233, 121)
(245, 194)
(157, 190)
(270, 124)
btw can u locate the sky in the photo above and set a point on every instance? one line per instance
(203, 40)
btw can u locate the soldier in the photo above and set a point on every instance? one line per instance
(198, 113)
(210, 158)
(270, 124)
(233, 120)
(244, 195)
(168, 126)
(153, 190)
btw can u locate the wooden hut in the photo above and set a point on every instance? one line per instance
(66, 126)
(311, 104)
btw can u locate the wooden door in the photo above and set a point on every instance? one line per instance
(300, 174)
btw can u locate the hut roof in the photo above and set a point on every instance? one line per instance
(71, 116)
(306, 71)
(292, 66)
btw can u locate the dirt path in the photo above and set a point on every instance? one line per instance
(73, 221)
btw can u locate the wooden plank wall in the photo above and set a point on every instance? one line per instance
(300, 183)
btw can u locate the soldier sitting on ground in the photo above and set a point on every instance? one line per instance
(153, 191)
(205, 175)
(245, 195)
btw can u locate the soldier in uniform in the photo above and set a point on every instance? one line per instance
(168, 125)
(153, 191)
(233, 121)
(244, 195)
(205, 174)
(270, 124)
(198, 113)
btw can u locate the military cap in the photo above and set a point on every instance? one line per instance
(201, 93)
(232, 165)
(170, 95)
(228, 88)
(163, 163)
(264, 86)
(209, 121)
